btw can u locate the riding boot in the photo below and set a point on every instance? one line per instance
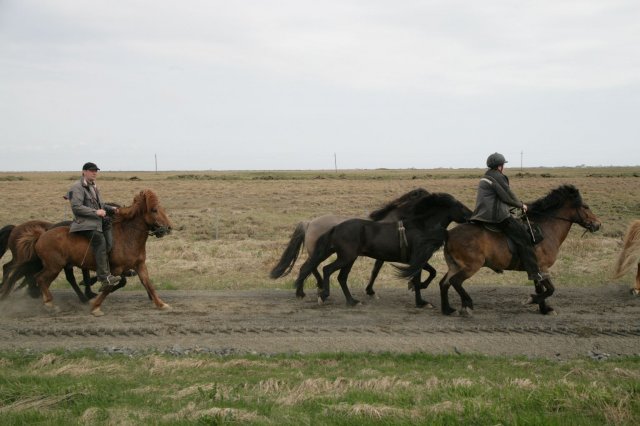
(99, 246)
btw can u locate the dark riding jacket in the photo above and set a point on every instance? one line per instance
(494, 198)
(84, 205)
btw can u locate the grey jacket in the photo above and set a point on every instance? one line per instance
(84, 205)
(494, 198)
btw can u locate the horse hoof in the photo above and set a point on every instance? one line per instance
(528, 301)
(164, 307)
(320, 301)
(51, 307)
(97, 312)
(635, 292)
(466, 312)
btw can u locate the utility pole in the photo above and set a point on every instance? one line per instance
(335, 161)
(521, 155)
(156, 156)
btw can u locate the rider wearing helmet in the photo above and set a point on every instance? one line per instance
(493, 201)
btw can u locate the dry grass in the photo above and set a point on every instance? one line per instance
(252, 214)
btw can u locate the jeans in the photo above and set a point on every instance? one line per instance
(101, 243)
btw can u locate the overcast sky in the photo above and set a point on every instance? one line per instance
(269, 85)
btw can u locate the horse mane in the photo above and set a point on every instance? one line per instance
(143, 202)
(405, 201)
(435, 200)
(630, 255)
(554, 200)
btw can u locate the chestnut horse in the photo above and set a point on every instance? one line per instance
(57, 247)
(307, 233)
(630, 255)
(9, 236)
(470, 247)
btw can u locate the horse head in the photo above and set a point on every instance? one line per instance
(146, 205)
(566, 201)
(587, 219)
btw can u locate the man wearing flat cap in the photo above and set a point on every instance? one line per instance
(90, 219)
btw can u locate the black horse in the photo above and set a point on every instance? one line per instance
(307, 233)
(413, 241)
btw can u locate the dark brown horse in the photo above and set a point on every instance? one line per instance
(9, 236)
(630, 255)
(470, 247)
(307, 233)
(52, 250)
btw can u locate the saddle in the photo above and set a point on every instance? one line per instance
(535, 233)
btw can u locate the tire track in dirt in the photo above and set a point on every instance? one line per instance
(590, 320)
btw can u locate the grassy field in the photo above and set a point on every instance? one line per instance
(231, 227)
(89, 388)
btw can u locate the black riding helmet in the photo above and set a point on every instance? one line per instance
(496, 159)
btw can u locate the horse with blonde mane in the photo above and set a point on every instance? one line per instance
(630, 255)
(47, 252)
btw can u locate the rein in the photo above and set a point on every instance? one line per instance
(580, 221)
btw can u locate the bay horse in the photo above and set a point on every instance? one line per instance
(424, 231)
(630, 255)
(53, 249)
(306, 234)
(9, 236)
(470, 247)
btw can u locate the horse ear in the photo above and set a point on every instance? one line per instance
(150, 198)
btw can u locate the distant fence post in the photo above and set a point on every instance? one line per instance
(216, 222)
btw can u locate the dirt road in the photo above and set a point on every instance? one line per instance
(597, 322)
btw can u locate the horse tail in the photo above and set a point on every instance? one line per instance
(630, 255)
(323, 249)
(26, 244)
(291, 253)
(4, 238)
(29, 262)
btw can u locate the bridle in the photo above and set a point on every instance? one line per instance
(580, 220)
(158, 230)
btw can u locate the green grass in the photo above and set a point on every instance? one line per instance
(95, 388)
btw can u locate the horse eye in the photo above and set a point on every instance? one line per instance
(154, 210)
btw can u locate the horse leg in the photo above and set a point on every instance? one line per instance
(68, 273)
(544, 289)
(304, 272)
(465, 299)
(122, 283)
(44, 279)
(318, 277)
(88, 281)
(143, 274)
(374, 274)
(420, 302)
(327, 271)
(636, 291)
(342, 279)
(444, 296)
(32, 286)
(432, 274)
